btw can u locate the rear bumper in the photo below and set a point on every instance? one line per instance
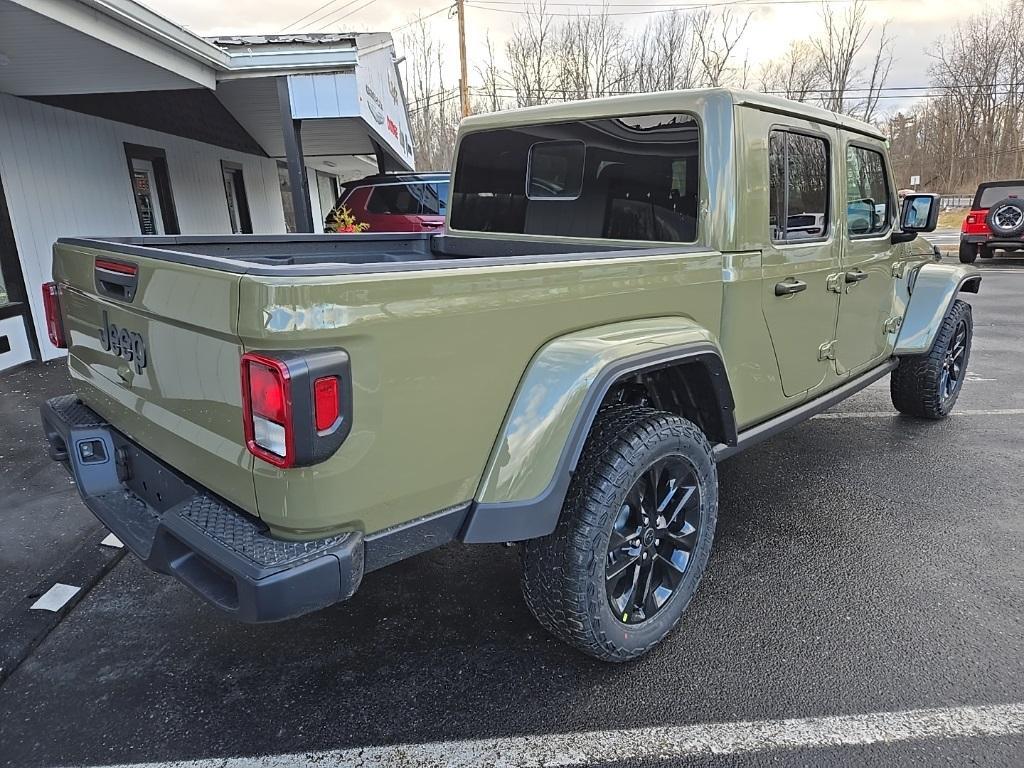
(1009, 244)
(177, 528)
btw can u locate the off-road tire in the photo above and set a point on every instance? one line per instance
(968, 253)
(564, 573)
(986, 253)
(915, 384)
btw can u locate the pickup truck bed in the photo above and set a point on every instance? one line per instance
(342, 254)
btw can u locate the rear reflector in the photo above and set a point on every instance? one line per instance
(117, 266)
(54, 323)
(267, 407)
(326, 402)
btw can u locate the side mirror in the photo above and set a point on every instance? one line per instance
(920, 214)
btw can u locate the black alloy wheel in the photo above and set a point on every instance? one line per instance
(634, 535)
(952, 374)
(928, 385)
(652, 539)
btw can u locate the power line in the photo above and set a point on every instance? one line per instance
(354, 10)
(526, 10)
(675, 5)
(418, 19)
(856, 91)
(317, 10)
(320, 19)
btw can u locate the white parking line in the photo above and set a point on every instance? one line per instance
(55, 598)
(664, 743)
(893, 414)
(112, 541)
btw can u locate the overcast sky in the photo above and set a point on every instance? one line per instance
(916, 24)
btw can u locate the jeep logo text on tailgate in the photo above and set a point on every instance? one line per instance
(123, 343)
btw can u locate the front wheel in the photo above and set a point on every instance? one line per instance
(927, 386)
(633, 539)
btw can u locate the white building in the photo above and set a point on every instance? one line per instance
(115, 121)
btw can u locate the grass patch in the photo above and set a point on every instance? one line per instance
(952, 218)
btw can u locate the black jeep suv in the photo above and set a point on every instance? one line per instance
(996, 221)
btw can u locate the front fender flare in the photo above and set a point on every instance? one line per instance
(935, 287)
(528, 473)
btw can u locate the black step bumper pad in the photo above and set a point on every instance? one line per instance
(225, 555)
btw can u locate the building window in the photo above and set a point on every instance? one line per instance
(798, 183)
(238, 203)
(634, 177)
(151, 186)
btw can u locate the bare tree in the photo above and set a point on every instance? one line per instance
(491, 77)
(845, 34)
(717, 34)
(880, 69)
(662, 56)
(795, 75)
(973, 127)
(433, 107)
(530, 57)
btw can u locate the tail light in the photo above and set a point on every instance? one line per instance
(974, 223)
(54, 322)
(267, 406)
(296, 406)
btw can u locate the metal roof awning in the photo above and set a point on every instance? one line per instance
(329, 100)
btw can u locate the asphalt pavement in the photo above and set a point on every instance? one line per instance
(867, 581)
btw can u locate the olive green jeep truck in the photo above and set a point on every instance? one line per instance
(628, 291)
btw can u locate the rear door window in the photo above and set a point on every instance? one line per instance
(635, 177)
(798, 186)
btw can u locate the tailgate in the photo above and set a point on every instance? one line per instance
(168, 376)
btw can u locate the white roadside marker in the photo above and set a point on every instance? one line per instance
(112, 541)
(55, 598)
(651, 744)
(893, 413)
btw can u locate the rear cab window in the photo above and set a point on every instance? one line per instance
(634, 177)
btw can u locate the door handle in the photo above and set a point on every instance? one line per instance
(790, 286)
(856, 276)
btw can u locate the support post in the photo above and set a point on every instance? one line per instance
(463, 75)
(381, 157)
(291, 130)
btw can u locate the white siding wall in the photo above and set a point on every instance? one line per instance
(65, 174)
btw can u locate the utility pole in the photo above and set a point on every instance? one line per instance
(460, 6)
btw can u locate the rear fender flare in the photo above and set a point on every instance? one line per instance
(531, 464)
(933, 290)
